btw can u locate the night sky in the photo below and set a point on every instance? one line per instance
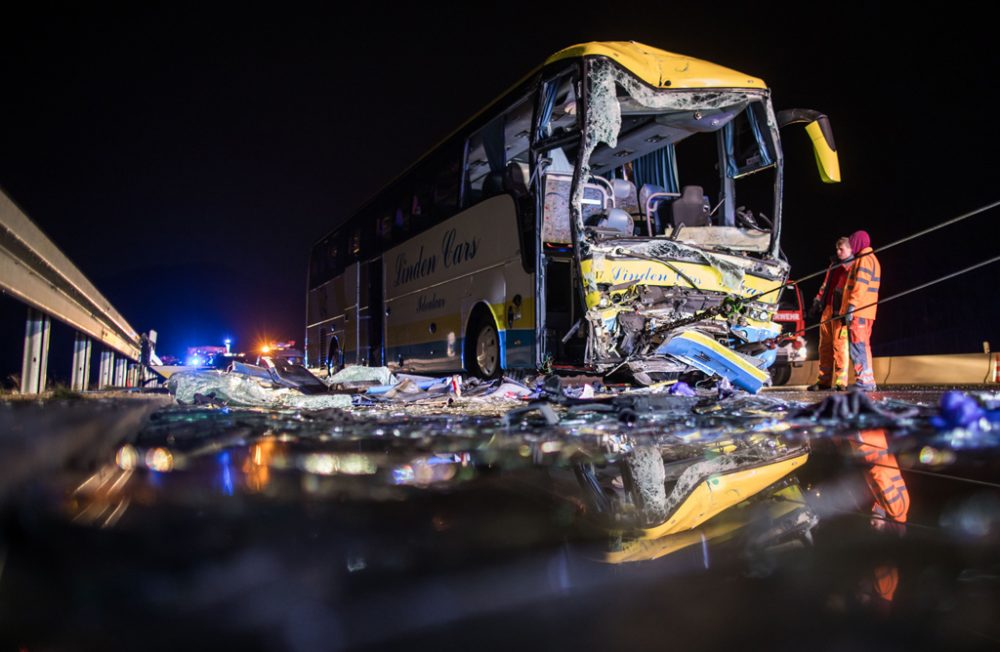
(186, 161)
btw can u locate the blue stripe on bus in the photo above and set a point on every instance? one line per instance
(517, 348)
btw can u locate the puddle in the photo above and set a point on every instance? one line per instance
(304, 529)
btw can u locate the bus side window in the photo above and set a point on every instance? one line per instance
(446, 185)
(384, 229)
(401, 219)
(491, 151)
(333, 261)
(421, 205)
(354, 247)
(477, 169)
(325, 263)
(557, 109)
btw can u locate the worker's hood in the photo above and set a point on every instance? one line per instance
(859, 240)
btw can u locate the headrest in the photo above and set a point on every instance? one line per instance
(625, 195)
(618, 220)
(492, 185)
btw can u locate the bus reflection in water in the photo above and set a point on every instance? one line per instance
(579, 221)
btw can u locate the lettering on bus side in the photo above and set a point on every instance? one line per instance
(456, 252)
(407, 271)
(620, 275)
(432, 302)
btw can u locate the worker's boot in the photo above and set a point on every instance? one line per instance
(817, 387)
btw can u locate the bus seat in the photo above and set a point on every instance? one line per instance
(625, 196)
(515, 179)
(689, 209)
(617, 220)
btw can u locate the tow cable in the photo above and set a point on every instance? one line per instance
(897, 295)
(728, 308)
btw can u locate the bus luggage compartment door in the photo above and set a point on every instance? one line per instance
(370, 312)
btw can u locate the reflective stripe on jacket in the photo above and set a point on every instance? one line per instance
(863, 281)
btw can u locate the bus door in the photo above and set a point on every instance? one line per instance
(564, 327)
(351, 345)
(372, 314)
(370, 311)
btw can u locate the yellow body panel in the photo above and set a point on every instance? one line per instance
(826, 158)
(660, 68)
(645, 272)
(418, 331)
(721, 492)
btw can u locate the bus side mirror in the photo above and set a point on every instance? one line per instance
(819, 130)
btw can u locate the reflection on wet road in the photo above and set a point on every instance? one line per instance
(669, 520)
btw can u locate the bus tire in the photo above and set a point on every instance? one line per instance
(484, 347)
(780, 374)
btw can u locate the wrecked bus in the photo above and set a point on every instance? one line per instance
(618, 210)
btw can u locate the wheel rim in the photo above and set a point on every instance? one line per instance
(487, 351)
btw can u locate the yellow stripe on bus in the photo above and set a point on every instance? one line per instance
(643, 272)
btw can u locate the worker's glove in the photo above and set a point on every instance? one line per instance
(816, 309)
(849, 315)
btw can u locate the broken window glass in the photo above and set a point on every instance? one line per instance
(632, 131)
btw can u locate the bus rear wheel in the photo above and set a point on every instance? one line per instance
(485, 358)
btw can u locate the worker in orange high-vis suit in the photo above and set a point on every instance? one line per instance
(860, 295)
(833, 355)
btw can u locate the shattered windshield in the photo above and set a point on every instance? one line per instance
(673, 159)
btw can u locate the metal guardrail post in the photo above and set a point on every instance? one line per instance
(34, 366)
(120, 369)
(81, 363)
(105, 370)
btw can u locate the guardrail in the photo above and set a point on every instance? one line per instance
(958, 369)
(35, 271)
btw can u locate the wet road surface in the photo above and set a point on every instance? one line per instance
(663, 522)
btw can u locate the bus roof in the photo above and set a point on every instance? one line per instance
(660, 68)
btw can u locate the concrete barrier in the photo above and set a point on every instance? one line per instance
(957, 369)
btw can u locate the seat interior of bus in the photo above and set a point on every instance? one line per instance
(664, 171)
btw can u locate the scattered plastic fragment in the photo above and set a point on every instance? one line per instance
(959, 410)
(295, 376)
(362, 374)
(967, 421)
(242, 390)
(680, 388)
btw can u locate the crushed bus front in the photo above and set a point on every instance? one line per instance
(672, 211)
(636, 291)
